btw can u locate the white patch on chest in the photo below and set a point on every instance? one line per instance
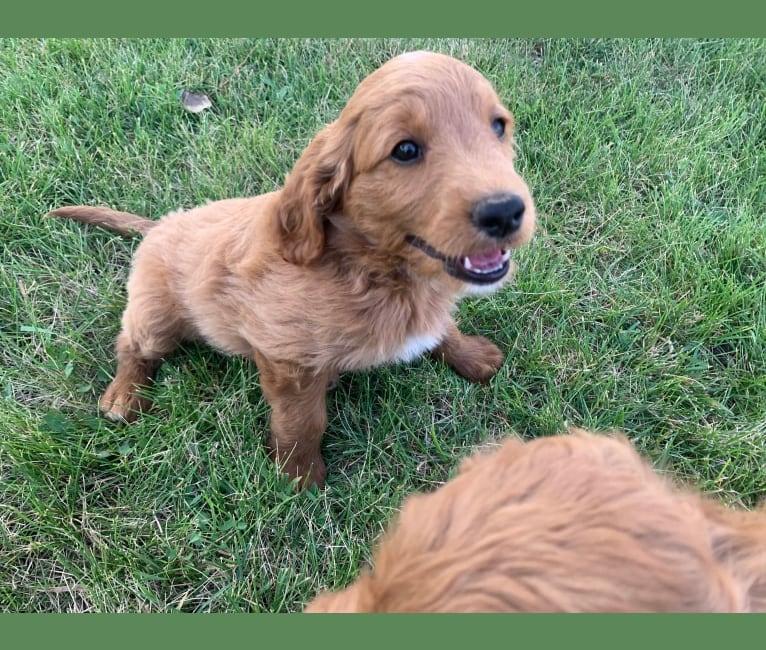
(416, 345)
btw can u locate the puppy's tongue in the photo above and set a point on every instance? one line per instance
(484, 262)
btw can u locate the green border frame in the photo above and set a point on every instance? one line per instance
(390, 18)
(349, 631)
(345, 18)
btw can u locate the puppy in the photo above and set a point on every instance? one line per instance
(405, 203)
(573, 523)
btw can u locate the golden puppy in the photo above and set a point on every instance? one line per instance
(573, 523)
(406, 202)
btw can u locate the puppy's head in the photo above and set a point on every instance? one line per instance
(420, 162)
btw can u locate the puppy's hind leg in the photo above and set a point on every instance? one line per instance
(298, 418)
(473, 357)
(148, 335)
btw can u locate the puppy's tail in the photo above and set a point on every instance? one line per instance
(124, 223)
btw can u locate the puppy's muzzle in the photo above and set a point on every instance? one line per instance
(499, 215)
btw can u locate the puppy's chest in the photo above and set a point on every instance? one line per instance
(395, 346)
(415, 345)
(401, 335)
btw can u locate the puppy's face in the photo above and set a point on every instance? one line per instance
(421, 163)
(431, 169)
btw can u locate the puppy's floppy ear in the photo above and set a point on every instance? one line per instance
(313, 190)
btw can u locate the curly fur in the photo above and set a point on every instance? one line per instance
(572, 523)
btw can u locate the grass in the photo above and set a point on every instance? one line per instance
(641, 305)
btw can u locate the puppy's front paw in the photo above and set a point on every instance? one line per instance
(476, 359)
(310, 471)
(121, 404)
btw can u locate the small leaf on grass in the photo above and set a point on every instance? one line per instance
(232, 523)
(55, 422)
(35, 330)
(195, 102)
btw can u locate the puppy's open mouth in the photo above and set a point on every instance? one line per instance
(481, 268)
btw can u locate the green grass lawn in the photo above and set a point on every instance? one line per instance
(640, 305)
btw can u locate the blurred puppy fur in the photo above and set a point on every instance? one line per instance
(405, 203)
(571, 523)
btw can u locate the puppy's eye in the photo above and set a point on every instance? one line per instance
(407, 151)
(498, 126)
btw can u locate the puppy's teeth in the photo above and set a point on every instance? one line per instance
(467, 264)
(506, 256)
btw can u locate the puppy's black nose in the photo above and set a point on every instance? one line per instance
(499, 215)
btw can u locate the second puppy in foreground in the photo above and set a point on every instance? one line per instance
(406, 202)
(572, 523)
